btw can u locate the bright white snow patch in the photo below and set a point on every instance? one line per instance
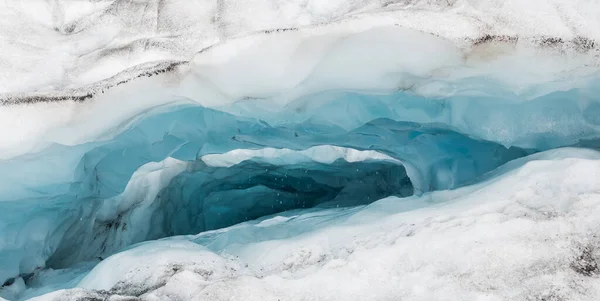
(323, 154)
(73, 43)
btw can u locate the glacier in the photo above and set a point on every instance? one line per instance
(299, 150)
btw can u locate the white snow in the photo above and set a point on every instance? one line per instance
(162, 254)
(323, 154)
(79, 42)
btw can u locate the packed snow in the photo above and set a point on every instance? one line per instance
(81, 42)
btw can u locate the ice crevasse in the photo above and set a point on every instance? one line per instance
(324, 152)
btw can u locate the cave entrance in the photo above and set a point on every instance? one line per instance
(206, 197)
(210, 198)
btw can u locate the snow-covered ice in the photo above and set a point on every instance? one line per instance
(299, 150)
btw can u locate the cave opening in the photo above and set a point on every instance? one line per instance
(210, 198)
(113, 200)
(204, 198)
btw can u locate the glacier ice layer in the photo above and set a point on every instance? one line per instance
(272, 137)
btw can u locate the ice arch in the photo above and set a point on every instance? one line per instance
(79, 217)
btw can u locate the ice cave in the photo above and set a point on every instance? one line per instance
(299, 150)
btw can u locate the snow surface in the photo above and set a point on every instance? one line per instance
(81, 42)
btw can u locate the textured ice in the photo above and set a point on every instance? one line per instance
(299, 150)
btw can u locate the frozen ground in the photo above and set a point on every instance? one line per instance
(299, 150)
